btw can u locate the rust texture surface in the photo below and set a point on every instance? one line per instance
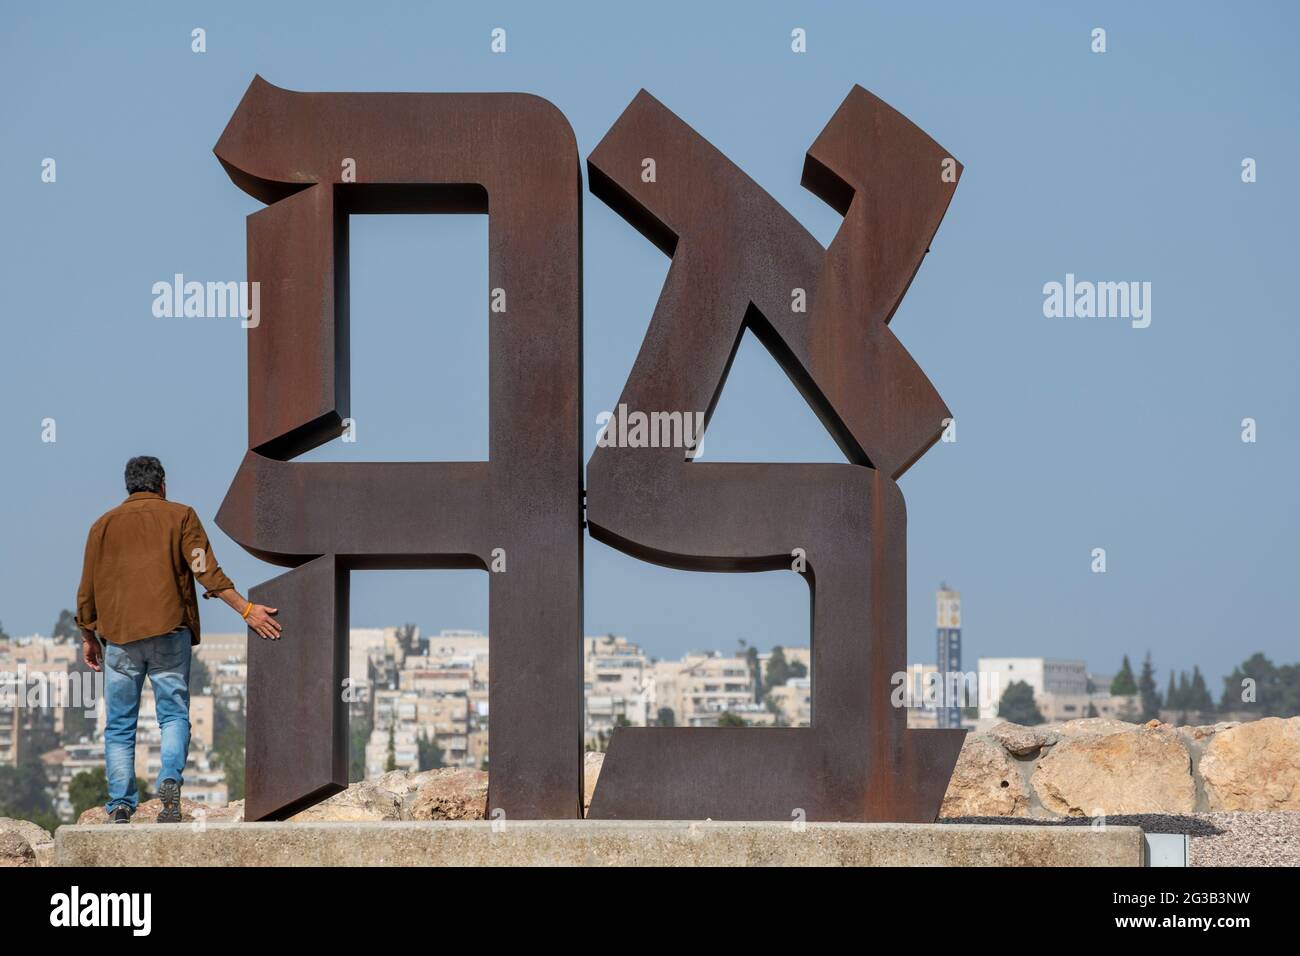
(512, 156)
(739, 262)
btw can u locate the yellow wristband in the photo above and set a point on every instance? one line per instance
(247, 609)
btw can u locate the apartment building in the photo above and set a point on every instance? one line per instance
(702, 686)
(793, 701)
(11, 736)
(1062, 678)
(439, 695)
(796, 657)
(617, 686)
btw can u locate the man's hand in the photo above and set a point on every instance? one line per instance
(260, 620)
(92, 652)
(258, 617)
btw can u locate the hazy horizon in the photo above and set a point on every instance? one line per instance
(1072, 433)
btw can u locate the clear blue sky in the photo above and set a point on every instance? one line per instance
(1072, 433)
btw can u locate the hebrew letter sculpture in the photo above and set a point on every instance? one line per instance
(736, 258)
(514, 155)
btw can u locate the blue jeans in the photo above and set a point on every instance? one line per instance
(166, 661)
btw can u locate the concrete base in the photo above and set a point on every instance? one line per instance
(595, 843)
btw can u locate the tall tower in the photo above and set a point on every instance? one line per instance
(948, 619)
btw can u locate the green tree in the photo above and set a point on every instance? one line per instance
(728, 719)
(1017, 705)
(1275, 690)
(666, 717)
(200, 676)
(230, 754)
(1288, 703)
(1150, 697)
(430, 757)
(88, 789)
(23, 794)
(1129, 710)
(778, 669)
(774, 708)
(65, 628)
(406, 639)
(1249, 685)
(1124, 684)
(224, 718)
(1199, 699)
(1171, 694)
(391, 763)
(755, 671)
(76, 725)
(359, 732)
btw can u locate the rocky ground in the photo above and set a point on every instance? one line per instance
(23, 843)
(1258, 838)
(1097, 767)
(1233, 788)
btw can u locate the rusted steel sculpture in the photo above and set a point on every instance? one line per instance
(426, 153)
(739, 261)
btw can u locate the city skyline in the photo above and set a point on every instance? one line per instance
(1072, 433)
(1162, 670)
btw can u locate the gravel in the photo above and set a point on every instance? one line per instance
(1269, 838)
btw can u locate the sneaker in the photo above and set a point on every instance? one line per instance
(169, 791)
(121, 815)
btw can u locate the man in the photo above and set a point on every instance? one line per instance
(137, 593)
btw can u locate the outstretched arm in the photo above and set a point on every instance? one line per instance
(203, 564)
(258, 616)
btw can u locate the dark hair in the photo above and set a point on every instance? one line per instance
(144, 473)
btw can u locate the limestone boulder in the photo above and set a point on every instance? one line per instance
(232, 812)
(592, 761)
(985, 783)
(1254, 766)
(1091, 727)
(1145, 770)
(15, 850)
(147, 812)
(1021, 741)
(363, 802)
(1205, 731)
(92, 817)
(394, 781)
(33, 833)
(450, 793)
(21, 842)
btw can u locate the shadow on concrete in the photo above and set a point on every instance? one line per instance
(1149, 822)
